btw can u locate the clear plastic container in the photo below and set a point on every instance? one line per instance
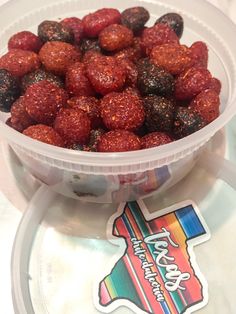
(62, 250)
(115, 177)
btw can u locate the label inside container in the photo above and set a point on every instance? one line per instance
(157, 272)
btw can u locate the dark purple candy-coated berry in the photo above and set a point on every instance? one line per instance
(174, 21)
(159, 112)
(154, 80)
(135, 18)
(9, 90)
(89, 44)
(40, 75)
(186, 122)
(54, 31)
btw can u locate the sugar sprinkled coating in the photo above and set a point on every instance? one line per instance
(122, 111)
(19, 62)
(159, 113)
(73, 125)
(119, 141)
(40, 75)
(57, 56)
(95, 22)
(9, 90)
(20, 119)
(25, 40)
(45, 134)
(106, 75)
(115, 37)
(187, 122)
(90, 105)
(155, 139)
(54, 31)
(207, 105)
(43, 100)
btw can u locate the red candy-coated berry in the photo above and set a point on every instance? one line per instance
(95, 22)
(131, 72)
(119, 141)
(45, 134)
(20, 62)
(199, 52)
(155, 139)
(106, 75)
(90, 105)
(76, 25)
(43, 100)
(215, 85)
(77, 83)
(57, 56)
(73, 125)
(192, 82)
(174, 58)
(26, 41)
(115, 37)
(133, 53)
(90, 56)
(20, 119)
(122, 111)
(206, 104)
(159, 34)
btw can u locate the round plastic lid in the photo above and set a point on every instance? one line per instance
(61, 245)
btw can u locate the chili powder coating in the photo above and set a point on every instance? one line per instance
(192, 82)
(44, 133)
(135, 18)
(159, 34)
(9, 90)
(207, 105)
(155, 139)
(90, 105)
(26, 41)
(159, 113)
(122, 111)
(115, 37)
(20, 119)
(57, 56)
(119, 141)
(174, 21)
(215, 85)
(186, 122)
(43, 100)
(199, 52)
(77, 83)
(95, 22)
(40, 75)
(73, 125)
(19, 62)
(174, 58)
(76, 26)
(106, 75)
(54, 31)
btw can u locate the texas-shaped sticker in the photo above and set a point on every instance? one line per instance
(157, 270)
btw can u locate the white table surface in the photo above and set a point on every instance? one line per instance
(13, 203)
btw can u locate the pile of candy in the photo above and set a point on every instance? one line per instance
(108, 83)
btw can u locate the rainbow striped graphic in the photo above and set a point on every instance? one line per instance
(156, 273)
